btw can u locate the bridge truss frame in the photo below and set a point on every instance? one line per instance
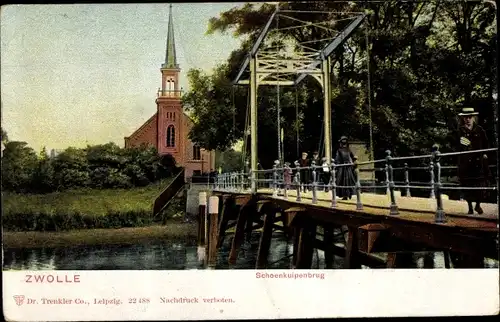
(265, 66)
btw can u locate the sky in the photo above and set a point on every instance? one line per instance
(80, 74)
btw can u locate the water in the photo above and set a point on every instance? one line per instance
(175, 256)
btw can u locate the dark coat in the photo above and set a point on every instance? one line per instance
(318, 170)
(304, 173)
(345, 175)
(473, 168)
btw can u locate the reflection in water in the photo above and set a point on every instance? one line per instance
(175, 256)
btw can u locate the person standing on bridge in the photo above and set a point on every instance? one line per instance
(317, 162)
(345, 174)
(325, 174)
(473, 170)
(304, 173)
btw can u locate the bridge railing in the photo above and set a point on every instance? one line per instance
(283, 179)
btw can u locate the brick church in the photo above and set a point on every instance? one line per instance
(168, 128)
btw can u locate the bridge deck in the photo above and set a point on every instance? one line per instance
(410, 208)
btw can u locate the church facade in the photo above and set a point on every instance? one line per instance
(167, 130)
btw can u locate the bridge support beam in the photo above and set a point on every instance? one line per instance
(352, 258)
(328, 240)
(253, 123)
(305, 247)
(228, 205)
(265, 238)
(327, 110)
(245, 211)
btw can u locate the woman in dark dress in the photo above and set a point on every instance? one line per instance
(345, 175)
(473, 168)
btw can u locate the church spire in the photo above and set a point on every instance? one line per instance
(170, 57)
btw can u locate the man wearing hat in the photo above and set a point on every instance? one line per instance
(473, 168)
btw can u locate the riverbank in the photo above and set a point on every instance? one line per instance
(173, 230)
(87, 209)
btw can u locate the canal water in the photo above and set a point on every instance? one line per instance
(174, 256)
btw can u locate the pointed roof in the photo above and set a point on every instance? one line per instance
(170, 57)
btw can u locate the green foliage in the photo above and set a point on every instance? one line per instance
(84, 209)
(98, 166)
(427, 59)
(229, 160)
(5, 137)
(18, 166)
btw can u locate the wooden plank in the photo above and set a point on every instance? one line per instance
(455, 234)
(405, 204)
(296, 209)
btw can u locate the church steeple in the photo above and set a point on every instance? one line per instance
(170, 57)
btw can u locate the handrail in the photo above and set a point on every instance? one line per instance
(168, 193)
(282, 177)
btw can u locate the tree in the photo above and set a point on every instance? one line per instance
(18, 166)
(5, 137)
(71, 169)
(229, 160)
(427, 59)
(43, 179)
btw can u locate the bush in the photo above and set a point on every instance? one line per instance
(98, 166)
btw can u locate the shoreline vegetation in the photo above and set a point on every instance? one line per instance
(86, 209)
(174, 230)
(91, 217)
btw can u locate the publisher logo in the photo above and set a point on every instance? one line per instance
(19, 299)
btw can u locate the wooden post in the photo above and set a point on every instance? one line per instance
(328, 241)
(428, 260)
(213, 212)
(351, 259)
(238, 234)
(202, 226)
(446, 255)
(202, 203)
(225, 214)
(249, 226)
(265, 239)
(305, 249)
(296, 237)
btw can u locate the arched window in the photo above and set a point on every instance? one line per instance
(196, 152)
(170, 136)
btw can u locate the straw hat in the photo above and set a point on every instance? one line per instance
(466, 111)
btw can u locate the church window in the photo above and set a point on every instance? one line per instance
(170, 136)
(196, 152)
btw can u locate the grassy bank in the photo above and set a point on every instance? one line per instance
(85, 209)
(32, 239)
